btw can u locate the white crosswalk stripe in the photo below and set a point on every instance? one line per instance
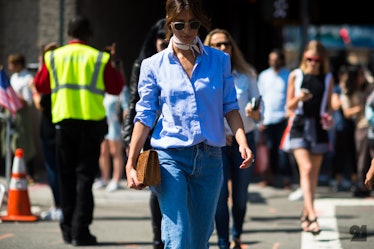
(329, 237)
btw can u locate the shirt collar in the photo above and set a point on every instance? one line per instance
(76, 41)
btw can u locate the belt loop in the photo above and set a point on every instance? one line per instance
(197, 146)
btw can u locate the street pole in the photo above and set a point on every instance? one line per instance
(304, 24)
(62, 11)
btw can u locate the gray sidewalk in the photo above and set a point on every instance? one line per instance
(122, 220)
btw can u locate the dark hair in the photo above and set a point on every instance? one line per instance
(148, 49)
(159, 28)
(156, 31)
(352, 72)
(279, 52)
(17, 59)
(174, 7)
(79, 27)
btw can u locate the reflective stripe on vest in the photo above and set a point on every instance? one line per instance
(77, 82)
(91, 87)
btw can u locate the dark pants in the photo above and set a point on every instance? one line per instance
(78, 150)
(156, 218)
(240, 179)
(363, 153)
(279, 160)
(344, 159)
(156, 215)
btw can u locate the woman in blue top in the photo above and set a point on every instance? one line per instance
(191, 85)
(245, 78)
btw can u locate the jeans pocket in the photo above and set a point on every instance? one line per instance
(215, 152)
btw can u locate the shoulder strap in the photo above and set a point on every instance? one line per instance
(325, 94)
(298, 81)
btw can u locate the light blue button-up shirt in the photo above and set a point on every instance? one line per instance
(192, 109)
(273, 88)
(246, 89)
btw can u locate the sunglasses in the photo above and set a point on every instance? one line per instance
(219, 44)
(181, 25)
(315, 59)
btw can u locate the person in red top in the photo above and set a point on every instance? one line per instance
(78, 75)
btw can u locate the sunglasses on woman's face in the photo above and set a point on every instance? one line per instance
(181, 25)
(314, 59)
(220, 44)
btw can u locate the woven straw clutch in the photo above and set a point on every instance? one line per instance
(148, 168)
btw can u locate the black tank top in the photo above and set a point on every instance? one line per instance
(316, 85)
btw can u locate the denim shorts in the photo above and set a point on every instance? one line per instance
(304, 134)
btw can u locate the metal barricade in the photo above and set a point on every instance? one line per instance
(8, 153)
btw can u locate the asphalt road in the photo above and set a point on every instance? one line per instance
(122, 220)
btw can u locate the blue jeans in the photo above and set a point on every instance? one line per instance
(191, 180)
(240, 179)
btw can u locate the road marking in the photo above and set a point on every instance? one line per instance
(7, 235)
(329, 237)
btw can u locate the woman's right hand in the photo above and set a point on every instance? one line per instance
(138, 137)
(305, 96)
(132, 178)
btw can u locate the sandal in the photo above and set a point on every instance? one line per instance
(304, 222)
(314, 227)
(235, 244)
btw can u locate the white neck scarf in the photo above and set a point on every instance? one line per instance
(194, 46)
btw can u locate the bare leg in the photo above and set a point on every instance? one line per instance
(309, 166)
(104, 161)
(116, 151)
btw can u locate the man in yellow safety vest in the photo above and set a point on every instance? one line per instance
(77, 76)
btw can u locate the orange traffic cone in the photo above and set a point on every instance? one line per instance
(18, 197)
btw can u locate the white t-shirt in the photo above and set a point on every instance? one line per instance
(20, 82)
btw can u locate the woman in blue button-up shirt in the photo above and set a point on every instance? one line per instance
(192, 87)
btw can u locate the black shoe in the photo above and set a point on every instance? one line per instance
(67, 239)
(361, 193)
(90, 241)
(158, 245)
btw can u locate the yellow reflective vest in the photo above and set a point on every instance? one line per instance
(77, 82)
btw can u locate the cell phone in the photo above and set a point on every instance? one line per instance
(304, 90)
(255, 102)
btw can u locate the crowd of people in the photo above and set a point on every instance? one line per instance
(205, 109)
